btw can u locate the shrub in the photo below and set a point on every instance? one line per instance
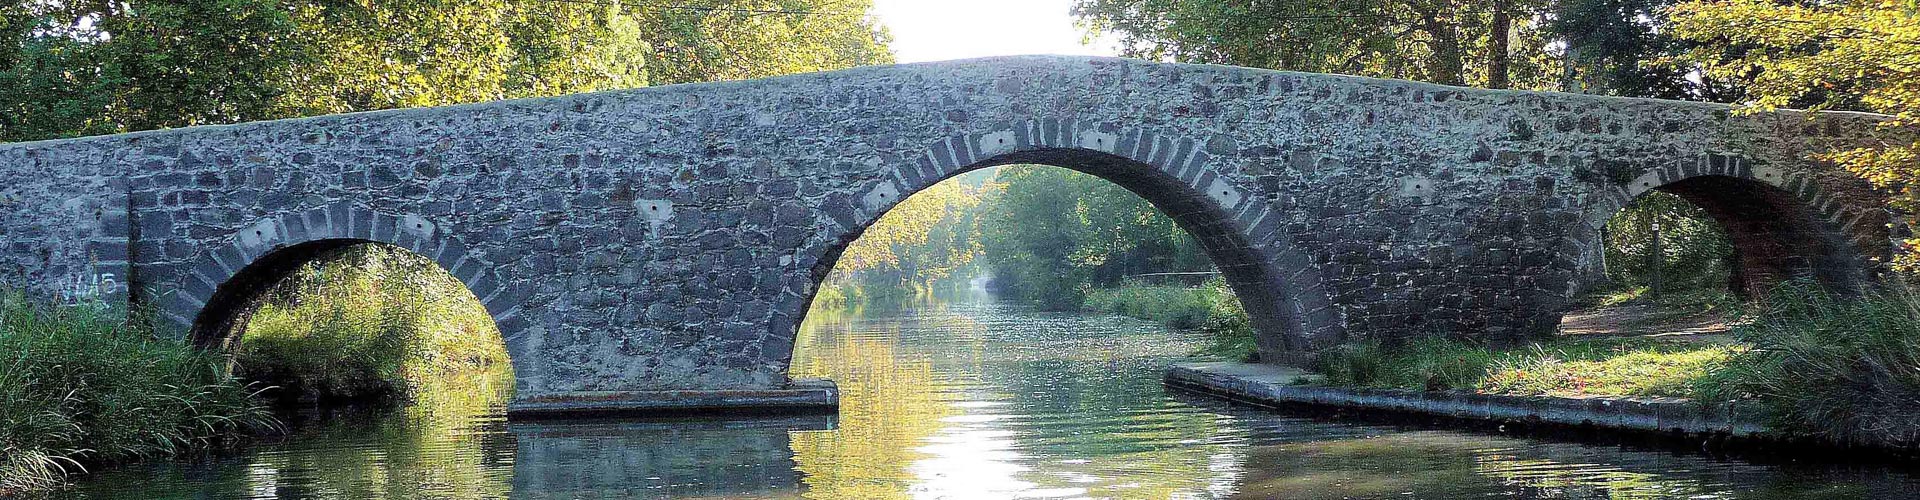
(1845, 368)
(78, 386)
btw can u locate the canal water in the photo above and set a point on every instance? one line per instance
(970, 400)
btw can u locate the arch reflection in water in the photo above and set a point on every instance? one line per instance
(677, 458)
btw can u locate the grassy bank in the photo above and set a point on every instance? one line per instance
(1842, 368)
(1211, 307)
(1846, 369)
(370, 322)
(1602, 367)
(79, 388)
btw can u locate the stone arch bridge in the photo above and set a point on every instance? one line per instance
(660, 246)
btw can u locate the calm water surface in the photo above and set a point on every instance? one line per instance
(973, 400)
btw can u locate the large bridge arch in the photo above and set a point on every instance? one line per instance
(1286, 304)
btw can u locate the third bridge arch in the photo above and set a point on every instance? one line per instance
(637, 243)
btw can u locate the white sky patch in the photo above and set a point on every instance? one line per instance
(940, 30)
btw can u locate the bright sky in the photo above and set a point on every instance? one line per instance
(939, 30)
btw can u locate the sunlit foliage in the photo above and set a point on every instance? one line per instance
(918, 243)
(83, 68)
(370, 321)
(743, 39)
(1693, 252)
(381, 54)
(1855, 54)
(1052, 234)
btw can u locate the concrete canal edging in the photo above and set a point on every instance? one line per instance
(800, 396)
(1270, 385)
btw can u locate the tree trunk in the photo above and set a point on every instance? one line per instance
(1448, 64)
(1497, 47)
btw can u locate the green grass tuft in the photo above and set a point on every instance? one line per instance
(78, 386)
(1844, 368)
(1609, 367)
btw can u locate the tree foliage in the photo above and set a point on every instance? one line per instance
(1835, 55)
(1046, 235)
(1627, 48)
(1050, 234)
(743, 39)
(90, 67)
(925, 239)
(1489, 44)
(1662, 240)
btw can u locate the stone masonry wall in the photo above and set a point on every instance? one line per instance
(671, 238)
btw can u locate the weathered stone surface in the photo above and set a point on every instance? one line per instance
(670, 238)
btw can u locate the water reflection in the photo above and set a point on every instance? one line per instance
(709, 458)
(968, 400)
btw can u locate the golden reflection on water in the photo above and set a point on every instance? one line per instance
(896, 399)
(996, 403)
(430, 446)
(948, 416)
(966, 401)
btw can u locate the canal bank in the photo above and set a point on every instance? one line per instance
(1669, 420)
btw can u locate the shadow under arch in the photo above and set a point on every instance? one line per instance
(1232, 227)
(1780, 228)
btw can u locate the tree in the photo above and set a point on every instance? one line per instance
(1487, 44)
(46, 87)
(925, 239)
(744, 39)
(1627, 48)
(97, 66)
(1662, 241)
(1837, 55)
(1050, 234)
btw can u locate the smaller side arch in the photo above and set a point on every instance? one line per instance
(222, 281)
(1783, 223)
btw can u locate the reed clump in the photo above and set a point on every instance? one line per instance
(82, 385)
(1842, 367)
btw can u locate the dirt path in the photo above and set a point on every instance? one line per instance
(1646, 320)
